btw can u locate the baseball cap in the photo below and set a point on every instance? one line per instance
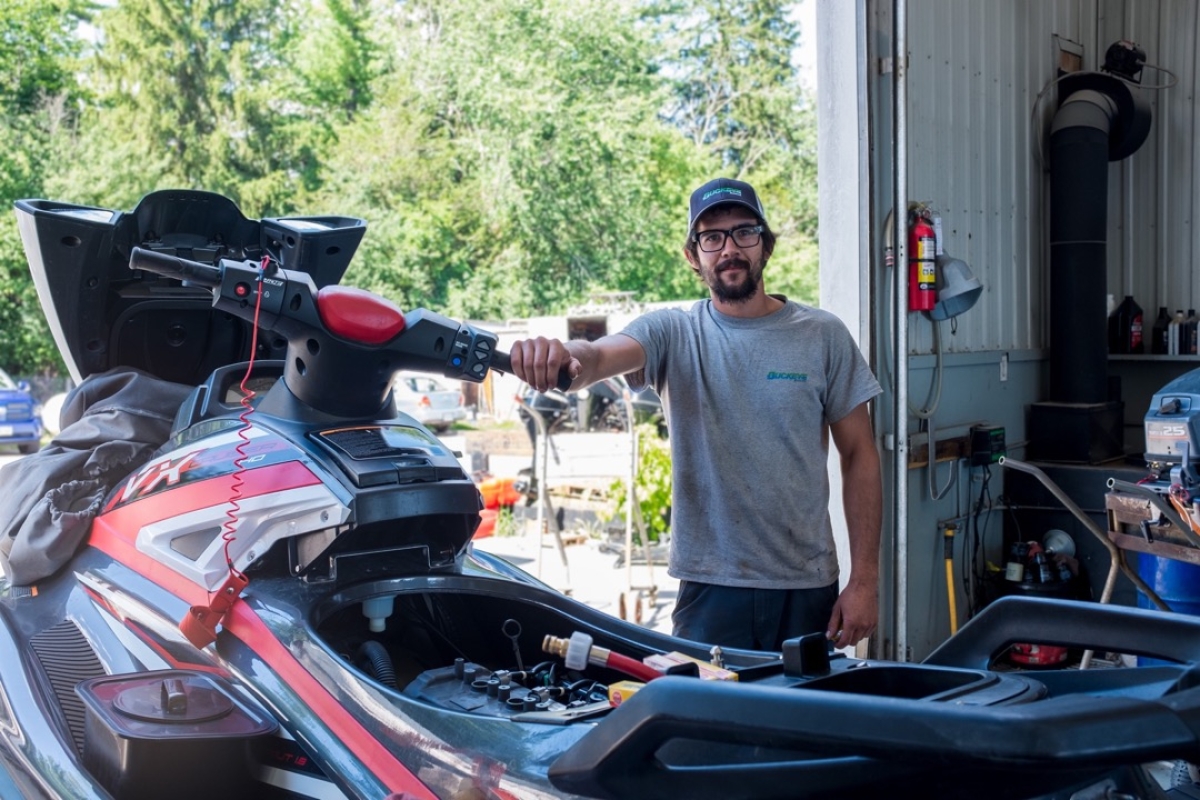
(722, 191)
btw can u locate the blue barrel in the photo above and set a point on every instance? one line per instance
(1176, 582)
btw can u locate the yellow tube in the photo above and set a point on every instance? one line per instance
(949, 532)
(950, 596)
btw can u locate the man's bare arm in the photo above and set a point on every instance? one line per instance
(857, 611)
(538, 361)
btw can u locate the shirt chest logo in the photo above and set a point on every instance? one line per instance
(801, 377)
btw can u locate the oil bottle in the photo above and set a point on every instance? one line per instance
(1129, 327)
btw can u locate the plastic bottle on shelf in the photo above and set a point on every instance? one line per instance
(1187, 338)
(1158, 337)
(1173, 332)
(1129, 326)
(1044, 567)
(1014, 568)
(1137, 328)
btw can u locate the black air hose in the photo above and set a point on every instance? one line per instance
(374, 658)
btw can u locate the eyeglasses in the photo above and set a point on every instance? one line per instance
(714, 241)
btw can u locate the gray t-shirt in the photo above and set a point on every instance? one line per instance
(748, 403)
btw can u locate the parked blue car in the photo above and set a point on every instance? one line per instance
(20, 420)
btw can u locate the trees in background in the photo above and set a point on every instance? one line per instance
(193, 94)
(509, 156)
(515, 160)
(736, 97)
(38, 96)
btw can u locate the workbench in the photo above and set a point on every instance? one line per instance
(1134, 523)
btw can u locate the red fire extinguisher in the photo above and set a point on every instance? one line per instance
(922, 255)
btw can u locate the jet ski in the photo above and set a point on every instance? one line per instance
(281, 598)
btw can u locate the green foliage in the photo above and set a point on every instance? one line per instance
(338, 57)
(507, 524)
(737, 99)
(736, 92)
(193, 94)
(526, 163)
(652, 485)
(37, 91)
(511, 157)
(39, 42)
(27, 347)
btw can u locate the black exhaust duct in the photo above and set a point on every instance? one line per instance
(1100, 119)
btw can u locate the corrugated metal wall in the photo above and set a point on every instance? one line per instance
(981, 89)
(1156, 192)
(981, 97)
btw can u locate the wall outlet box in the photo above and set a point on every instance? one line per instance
(987, 444)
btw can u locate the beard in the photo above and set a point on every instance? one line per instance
(742, 290)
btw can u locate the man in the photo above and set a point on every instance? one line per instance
(753, 385)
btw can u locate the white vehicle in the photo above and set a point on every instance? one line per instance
(51, 411)
(436, 403)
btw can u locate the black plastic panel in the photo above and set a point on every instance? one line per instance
(105, 315)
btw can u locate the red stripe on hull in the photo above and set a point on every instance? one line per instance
(115, 532)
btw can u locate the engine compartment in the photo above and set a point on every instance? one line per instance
(476, 645)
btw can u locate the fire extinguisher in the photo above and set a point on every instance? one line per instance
(922, 273)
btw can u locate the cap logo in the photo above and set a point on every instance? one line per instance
(724, 190)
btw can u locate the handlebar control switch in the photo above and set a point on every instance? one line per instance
(472, 353)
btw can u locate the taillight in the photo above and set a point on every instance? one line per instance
(424, 401)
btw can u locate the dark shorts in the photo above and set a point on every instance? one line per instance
(752, 619)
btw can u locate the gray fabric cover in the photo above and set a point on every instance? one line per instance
(111, 424)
